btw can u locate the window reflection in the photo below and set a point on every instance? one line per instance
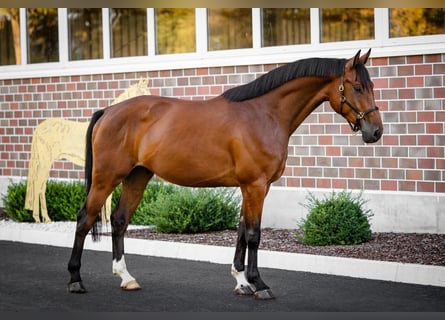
(341, 24)
(85, 33)
(9, 36)
(285, 26)
(175, 30)
(229, 28)
(43, 35)
(406, 22)
(128, 32)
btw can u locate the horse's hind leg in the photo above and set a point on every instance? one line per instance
(132, 190)
(85, 220)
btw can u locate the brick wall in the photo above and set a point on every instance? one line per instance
(323, 153)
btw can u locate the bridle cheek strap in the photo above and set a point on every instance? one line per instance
(360, 114)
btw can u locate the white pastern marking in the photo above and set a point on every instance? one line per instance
(241, 280)
(120, 269)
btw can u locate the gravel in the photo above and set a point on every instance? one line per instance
(419, 248)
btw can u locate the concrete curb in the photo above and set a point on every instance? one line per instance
(356, 268)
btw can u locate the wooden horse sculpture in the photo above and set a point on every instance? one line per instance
(56, 139)
(237, 139)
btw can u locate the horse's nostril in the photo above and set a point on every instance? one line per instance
(377, 134)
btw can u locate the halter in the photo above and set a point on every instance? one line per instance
(360, 115)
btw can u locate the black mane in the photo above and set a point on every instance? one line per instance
(318, 67)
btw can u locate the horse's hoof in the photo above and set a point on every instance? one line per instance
(131, 285)
(76, 287)
(243, 291)
(265, 294)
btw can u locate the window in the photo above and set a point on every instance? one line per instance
(128, 32)
(340, 24)
(163, 38)
(9, 36)
(229, 28)
(43, 35)
(175, 30)
(85, 33)
(285, 26)
(406, 22)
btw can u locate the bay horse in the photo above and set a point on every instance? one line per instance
(238, 139)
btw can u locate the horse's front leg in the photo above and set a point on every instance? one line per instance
(249, 234)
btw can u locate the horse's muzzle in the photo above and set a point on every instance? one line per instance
(371, 133)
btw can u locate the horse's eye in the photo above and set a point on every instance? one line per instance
(358, 88)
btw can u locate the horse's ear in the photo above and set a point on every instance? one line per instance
(352, 62)
(364, 58)
(356, 58)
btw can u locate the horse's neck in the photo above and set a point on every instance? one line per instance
(295, 100)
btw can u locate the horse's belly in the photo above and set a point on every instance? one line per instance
(194, 170)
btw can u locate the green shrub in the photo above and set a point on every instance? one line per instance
(339, 219)
(170, 208)
(63, 200)
(14, 202)
(190, 210)
(142, 214)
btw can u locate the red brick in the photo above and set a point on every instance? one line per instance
(415, 82)
(425, 186)
(426, 116)
(339, 183)
(435, 152)
(379, 61)
(202, 71)
(407, 94)
(434, 128)
(440, 116)
(390, 140)
(440, 163)
(293, 182)
(333, 151)
(408, 140)
(383, 82)
(405, 70)
(388, 185)
(308, 182)
(407, 185)
(439, 92)
(440, 186)
(414, 59)
(414, 174)
(425, 140)
(424, 69)
(323, 183)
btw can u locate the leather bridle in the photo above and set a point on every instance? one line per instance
(360, 115)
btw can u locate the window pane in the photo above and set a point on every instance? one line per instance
(128, 32)
(340, 24)
(9, 36)
(406, 22)
(85, 33)
(43, 35)
(230, 28)
(285, 26)
(175, 30)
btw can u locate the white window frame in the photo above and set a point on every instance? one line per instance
(382, 46)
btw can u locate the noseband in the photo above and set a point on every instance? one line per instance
(360, 115)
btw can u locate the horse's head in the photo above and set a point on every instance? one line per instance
(354, 99)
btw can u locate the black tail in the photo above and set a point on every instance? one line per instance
(89, 165)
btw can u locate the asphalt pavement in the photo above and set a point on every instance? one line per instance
(34, 277)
